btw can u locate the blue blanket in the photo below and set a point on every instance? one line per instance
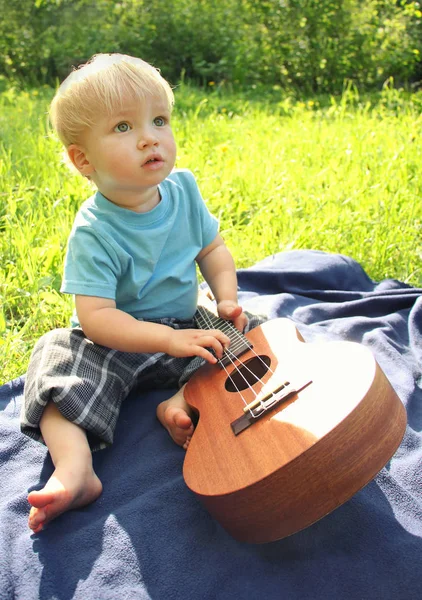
(148, 537)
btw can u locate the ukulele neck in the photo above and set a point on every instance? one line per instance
(205, 319)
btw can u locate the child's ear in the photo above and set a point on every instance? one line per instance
(80, 160)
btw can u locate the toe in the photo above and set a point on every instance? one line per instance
(177, 417)
(40, 498)
(182, 420)
(36, 519)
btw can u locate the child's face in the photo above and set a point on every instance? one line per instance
(131, 151)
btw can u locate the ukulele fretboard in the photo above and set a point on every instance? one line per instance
(205, 319)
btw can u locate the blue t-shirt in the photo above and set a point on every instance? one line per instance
(143, 261)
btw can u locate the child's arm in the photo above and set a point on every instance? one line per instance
(108, 326)
(219, 271)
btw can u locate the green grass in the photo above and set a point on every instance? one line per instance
(336, 174)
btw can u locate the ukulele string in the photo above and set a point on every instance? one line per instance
(228, 351)
(208, 323)
(229, 354)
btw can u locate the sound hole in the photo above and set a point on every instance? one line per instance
(248, 373)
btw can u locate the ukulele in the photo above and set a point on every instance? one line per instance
(287, 431)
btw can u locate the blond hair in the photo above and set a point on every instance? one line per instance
(101, 86)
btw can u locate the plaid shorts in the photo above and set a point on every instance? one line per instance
(88, 382)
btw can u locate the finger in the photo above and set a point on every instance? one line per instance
(218, 345)
(230, 311)
(220, 337)
(204, 353)
(215, 334)
(241, 322)
(236, 312)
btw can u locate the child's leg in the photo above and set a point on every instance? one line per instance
(73, 483)
(175, 415)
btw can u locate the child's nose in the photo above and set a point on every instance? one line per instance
(147, 138)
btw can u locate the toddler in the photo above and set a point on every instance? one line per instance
(131, 266)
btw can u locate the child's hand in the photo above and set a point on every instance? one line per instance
(233, 312)
(194, 342)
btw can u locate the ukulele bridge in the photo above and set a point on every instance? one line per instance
(262, 404)
(259, 407)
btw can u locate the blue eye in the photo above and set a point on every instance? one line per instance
(159, 121)
(122, 127)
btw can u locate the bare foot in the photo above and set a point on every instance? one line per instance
(68, 487)
(175, 415)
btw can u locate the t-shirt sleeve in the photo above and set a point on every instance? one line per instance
(91, 266)
(207, 223)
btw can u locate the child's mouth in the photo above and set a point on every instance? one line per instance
(154, 161)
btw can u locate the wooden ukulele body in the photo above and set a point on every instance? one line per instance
(304, 457)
